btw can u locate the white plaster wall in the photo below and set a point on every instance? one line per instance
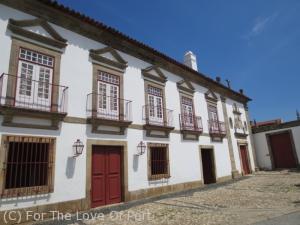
(76, 73)
(261, 146)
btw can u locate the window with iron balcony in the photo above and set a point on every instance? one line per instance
(33, 89)
(189, 123)
(154, 113)
(215, 127)
(105, 107)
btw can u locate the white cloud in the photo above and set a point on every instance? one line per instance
(259, 26)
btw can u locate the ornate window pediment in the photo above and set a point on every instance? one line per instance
(186, 86)
(211, 96)
(108, 55)
(154, 73)
(48, 36)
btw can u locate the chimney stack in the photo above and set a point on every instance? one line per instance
(218, 79)
(190, 60)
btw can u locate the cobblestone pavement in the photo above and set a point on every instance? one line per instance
(257, 198)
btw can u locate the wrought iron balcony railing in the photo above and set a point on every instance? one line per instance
(26, 93)
(216, 127)
(108, 108)
(190, 123)
(159, 116)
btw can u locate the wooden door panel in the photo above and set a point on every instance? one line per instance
(98, 191)
(244, 159)
(98, 177)
(113, 194)
(113, 175)
(282, 150)
(106, 175)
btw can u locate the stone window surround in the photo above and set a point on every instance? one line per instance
(119, 74)
(16, 45)
(160, 176)
(116, 68)
(23, 191)
(9, 112)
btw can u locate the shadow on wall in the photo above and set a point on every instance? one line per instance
(135, 164)
(70, 168)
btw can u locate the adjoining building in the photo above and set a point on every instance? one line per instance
(91, 117)
(277, 144)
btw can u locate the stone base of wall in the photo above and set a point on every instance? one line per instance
(235, 174)
(81, 204)
(224, 179)
(156, 191)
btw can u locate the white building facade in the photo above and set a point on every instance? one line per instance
(149, 125)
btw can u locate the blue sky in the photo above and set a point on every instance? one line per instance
(253, 43)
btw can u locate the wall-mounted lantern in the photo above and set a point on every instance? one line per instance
(78, 148)
(141, 148)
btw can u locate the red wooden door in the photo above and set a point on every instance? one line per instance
(245, 160)
(282, 150)
(208, 166)
(106, 175)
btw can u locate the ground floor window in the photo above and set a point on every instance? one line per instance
(28, 165)
(158, 158)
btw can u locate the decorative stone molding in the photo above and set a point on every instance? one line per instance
(186, 87)
(234, 171)
(108, 56)
(17, 27)
(211, 97)
(155, 74)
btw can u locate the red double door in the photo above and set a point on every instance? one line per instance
(106, 175)
(282, 149)
(245, 160)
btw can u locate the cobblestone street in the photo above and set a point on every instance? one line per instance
(253, 199)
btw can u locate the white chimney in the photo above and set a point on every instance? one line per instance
(190, 60)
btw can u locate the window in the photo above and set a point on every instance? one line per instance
(159, 161)
(108, 95)
(187, 111)
(214, 125)
(28, 165)
(155, 107)
(34, 80)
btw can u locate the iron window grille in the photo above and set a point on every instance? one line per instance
(28, 166)
(158, 161)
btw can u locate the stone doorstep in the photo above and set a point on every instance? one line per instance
(127, 205)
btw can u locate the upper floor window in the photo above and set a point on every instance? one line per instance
(213, 113)
(187, 110)
(35, 74)
(155, 101)
(108, 95)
